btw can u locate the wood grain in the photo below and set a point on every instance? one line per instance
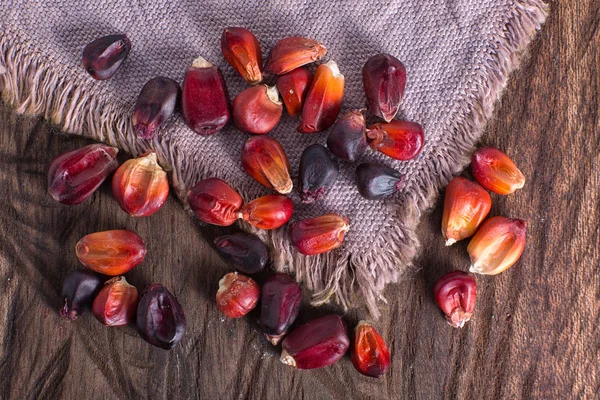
(534, 333)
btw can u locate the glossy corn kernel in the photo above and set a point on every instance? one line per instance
(111, 252)
(293, 52)
(116, 303)
(316, 344)
(496, 172)
(78, 292)
(242, 51)
(237, 295)
(257, 109)
(103, 57)
(140, 186)
(264, 160)
(243, 251)
(318, 173)
(319, 235)
(466, 204)
(293, 88)
(402, 140)
(376, 182)
(279, 306)
(324, 99)
(74, 176)
(155, 104)
(268, 212)
(370, 354)
(160, 319)
(347, 139)
(204, 101)
(215, 202)
(384, 80)
(497, 245)
(455, 294)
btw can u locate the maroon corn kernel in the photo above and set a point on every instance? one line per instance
(316, 344)
(160, 319)
(103, 57)
(455, 294)
(280, 304)
(155, 104)
(74, 176)
(204, 101)
(384, 80)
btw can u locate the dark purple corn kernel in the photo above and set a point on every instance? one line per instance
(280, 304)
(243, 251)
(376, 182)
(318, 173)
(78, 292)
(316, 344)
(103, 57)
(384, 80)
(160, 318)
(154, 105)
(74, 176)
(347, 139)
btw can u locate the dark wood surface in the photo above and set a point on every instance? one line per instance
(534, 333)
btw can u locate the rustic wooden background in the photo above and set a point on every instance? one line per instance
(534, 333)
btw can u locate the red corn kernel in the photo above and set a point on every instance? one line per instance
(370, 354)
(455, 294)
(257, 109)
(116, 303)
(293, 52)
(319, 235)
(237, 295)
(268, 212)
(242, 51)
(324, 99)
(496, 172)
(402, 140)
(215, 202)
(293, 88)
(264, 159)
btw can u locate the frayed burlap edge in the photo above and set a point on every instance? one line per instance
(29, 82)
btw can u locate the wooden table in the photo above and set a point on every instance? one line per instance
(535, 328)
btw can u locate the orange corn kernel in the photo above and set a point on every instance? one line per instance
(402, 140)
(293, 88)
(324, 99)
(242, 51)
(466, 205)
(496, 172)
(268, 212)
(370, 354)
(497, 245)
(293, 52)
(264, 160)
(140, 186)
(215, 202)
(319, 235)
(111, 252)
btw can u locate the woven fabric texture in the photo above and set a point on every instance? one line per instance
(458, 54)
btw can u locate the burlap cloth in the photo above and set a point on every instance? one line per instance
(458, 54)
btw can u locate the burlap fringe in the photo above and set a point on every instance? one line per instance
(30, 83)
